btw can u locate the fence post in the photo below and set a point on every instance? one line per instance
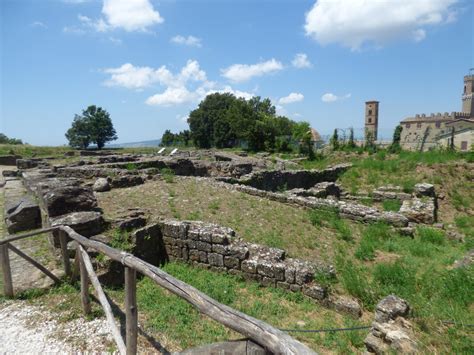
(85, 300)
(131, 310)
(64, 252)
(7, 272)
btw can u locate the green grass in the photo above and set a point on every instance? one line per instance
(327, 217)
(391, 205)
(168, 175)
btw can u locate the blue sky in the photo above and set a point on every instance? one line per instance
(149, 62)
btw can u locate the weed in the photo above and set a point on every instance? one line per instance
(214, 206)
(431, 235)
(131, 167)
(168, 175)
(121, 240)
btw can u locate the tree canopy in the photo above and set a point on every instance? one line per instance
(5, 140)
(93, 126)
(223, 121)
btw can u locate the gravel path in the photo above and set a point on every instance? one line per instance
(27, 329)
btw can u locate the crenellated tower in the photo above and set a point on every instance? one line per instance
(467, 104)
(371, 119)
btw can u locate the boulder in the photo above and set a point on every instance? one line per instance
(23, 215)
(66, 199)
(420, 210)
(101, 185)
(26, 163)
(86, 223)
(390, 308)
(9, 173)
(9, 159)
(126, 181)
(424, 189)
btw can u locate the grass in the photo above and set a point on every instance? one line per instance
(168, 175)
(391, 205)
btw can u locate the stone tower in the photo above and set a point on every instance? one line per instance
(371, 119)
(467, 97)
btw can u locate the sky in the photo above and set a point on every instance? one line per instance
(150, 62)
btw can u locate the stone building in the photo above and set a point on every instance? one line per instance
(425, 132)
(371, 120)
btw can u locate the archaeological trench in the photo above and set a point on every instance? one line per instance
(40, 194)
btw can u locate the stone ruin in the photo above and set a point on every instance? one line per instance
(66, 195)
(391, 331)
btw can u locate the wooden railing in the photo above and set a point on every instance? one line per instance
(274, 340)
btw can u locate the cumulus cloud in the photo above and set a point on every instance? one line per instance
(244, 72)
(301, 61)
(188, 85)
(330, 97)
(353, 23)
(136, 15)
(293, 97)
(190, 41)
(134, 77)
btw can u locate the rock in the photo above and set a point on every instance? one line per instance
(148, 244)
(466, 261)
(346, 304)
(126, 181)
(86, 223)
(9, 173)
(390, 308)
(375, 344)
(9, 159)
(68, 199)
(101, 185)
(419, 210)
(26, 163)
(22, 215)
(424, 189)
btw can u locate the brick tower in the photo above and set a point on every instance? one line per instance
(371, 119)
(467, 96)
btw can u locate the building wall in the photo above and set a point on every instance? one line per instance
(467, 96)
(459, 138)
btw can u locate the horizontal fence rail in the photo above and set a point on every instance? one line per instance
(272, 339)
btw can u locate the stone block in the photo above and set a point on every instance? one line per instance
(215, 259)
(231, 262)
(203, 246)
(283, 285)
(303, 275)
(66, 199)
(290, 275)
(295, 288)
(249, 266)
(390, 308)
(268, 282)
(238, 251)
(21, 215)
(218, 238)
(265, 268)
(315, 291)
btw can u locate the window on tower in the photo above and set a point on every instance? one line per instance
(369, 120)
(370, 112)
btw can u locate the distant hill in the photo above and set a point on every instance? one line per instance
(152, 143)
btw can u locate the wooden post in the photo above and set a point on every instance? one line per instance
(6, 270)
(131, 310)
(85, 300)
(63, 241)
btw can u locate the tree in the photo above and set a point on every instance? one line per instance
(395, 146)
(5, 140)
(79, 134)
(94, 126)
(334, 141)
(351, 142)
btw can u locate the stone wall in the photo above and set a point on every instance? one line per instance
(274, 180)
(9, 159)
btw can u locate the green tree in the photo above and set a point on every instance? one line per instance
(5, 140)
(351, 142)
(167, 138)
(93, 126)
(334, 141)
(397, 134)
(79, 133)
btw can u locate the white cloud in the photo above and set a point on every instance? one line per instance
(136, 15)
(353, 23)
(243, 72)
(190, 41)
(75, 1)
(293, 97)
(301, 61)
(74, 30)
(330, 97)
(132, 77)
(172, 96)
(38, 24)
(116, 41)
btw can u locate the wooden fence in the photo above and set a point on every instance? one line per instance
(272, 339)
